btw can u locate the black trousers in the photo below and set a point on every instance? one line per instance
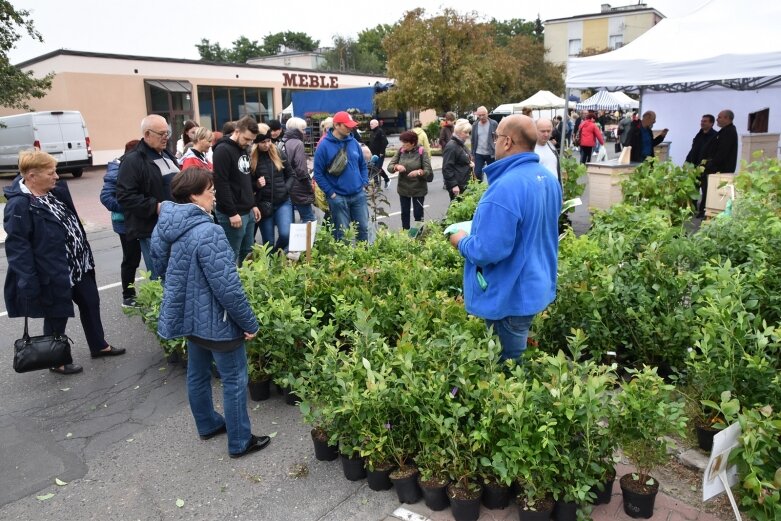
(131, 259)
(417, 209)
(704, 188)
(85, 295)
(585, 154)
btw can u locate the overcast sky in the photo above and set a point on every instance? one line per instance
(167, 28)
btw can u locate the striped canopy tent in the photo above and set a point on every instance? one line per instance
(603, 100)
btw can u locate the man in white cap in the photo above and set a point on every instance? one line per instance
(342, 174)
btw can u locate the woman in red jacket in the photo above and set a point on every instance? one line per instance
(589, 135)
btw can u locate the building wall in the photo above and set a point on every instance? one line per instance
(110, 93)
(595, 33)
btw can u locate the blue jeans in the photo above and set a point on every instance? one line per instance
(513, 332)
(233, 375)
(481, 160)
(346, 209)
(241, 239)
(146, 252)
(282, 218)
(305, 213)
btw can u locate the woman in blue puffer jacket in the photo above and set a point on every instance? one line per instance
(204, 301)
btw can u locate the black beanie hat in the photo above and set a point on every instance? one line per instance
(274, 124)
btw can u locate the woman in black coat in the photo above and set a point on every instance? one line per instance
(456, 164)
(273, 180)
(50, 263)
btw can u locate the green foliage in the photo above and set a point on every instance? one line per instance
(463, 208)
(505, 30)
(245, 49)
(759, 463)
(664, 186)
(359, 56)
(149, 297)
(572, 172)
(646, 413)
(19, 87)
(432, 131)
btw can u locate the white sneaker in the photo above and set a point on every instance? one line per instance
(389, 183)
(294, 255)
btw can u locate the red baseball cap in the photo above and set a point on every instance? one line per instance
(345, 119)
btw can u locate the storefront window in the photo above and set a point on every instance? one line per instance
(218, 105)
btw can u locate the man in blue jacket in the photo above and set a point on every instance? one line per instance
(345, 188)
(512, 251)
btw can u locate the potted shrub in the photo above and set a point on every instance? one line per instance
(646, 413)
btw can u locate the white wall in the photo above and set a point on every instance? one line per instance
(681, 112)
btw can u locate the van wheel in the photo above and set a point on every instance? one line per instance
(77, 173)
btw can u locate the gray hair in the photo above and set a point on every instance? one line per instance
(146, 123)
(295, 123)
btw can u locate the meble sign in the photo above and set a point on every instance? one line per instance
(310, 80)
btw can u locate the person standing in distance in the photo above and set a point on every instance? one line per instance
(511, 253)
(721, 154)
(344, 190)
(482, 146)
(236, 210)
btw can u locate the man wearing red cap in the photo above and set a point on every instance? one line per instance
(341, 172)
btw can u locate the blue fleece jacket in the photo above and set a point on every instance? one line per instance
(514, 240)
(202, 293)
(355, 175)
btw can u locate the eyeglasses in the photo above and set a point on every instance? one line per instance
(213, 191)
(161, 133)
(496, 136)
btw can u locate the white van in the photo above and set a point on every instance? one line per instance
(62, 134)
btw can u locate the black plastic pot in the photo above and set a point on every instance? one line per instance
(323, 451)
(705, 437)
(407, 488)
(379, 479)
(291, 398)
(435, 497)
(260, 391)
(496, 496)
(638, 505)
(354, 468)
(606, 494)
(565, 511)
(466, 509)
(543, 513)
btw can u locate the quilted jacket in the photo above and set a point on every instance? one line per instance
(202, 293)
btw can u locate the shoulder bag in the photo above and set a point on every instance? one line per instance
(41, 352)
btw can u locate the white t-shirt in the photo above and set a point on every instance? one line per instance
(548, 158)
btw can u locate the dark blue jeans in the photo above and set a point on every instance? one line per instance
(233, 377)
(513, 331)
(281, 220)
(481, 160)
(241, 239)
(417, 209)
(305, 213)
(346, 209)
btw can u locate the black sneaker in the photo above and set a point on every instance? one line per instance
(129, 302)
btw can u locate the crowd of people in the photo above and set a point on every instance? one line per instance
(194, 216)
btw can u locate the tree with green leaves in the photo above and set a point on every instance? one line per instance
(455, 62)
(348, 54)
(245, 49)
(18, 87)
(273, 43)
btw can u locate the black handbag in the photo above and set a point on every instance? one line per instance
(41, 352)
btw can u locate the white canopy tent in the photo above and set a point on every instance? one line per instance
(723, 55)
(604, 100)
(543, 99)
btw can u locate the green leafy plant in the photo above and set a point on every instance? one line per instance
(664, 186)
(572, 174)
(647, 411)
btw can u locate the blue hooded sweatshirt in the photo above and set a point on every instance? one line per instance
(202, 293)
(514, 240)
(355, 175)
